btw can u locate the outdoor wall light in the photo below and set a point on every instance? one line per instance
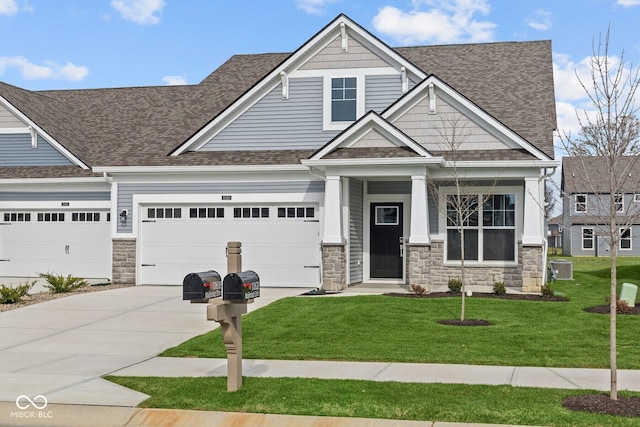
(123, 216)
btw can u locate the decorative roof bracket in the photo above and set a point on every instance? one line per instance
(343, 36)
(284, 78)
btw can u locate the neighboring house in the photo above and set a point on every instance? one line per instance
(319, 161)
(586, 200)
(554, 233)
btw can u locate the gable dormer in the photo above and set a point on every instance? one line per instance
(318, 91)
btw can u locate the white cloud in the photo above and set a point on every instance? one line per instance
(50, 70)
(628, 3)
(8, 7)
(443, 21)
(541, 20)
(143, 12)
(314, 7)
(174, 80)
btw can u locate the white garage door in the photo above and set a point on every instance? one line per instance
(279, 242)
(60, 242)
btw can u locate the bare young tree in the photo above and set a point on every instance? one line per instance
(603, 158)
(460, 206)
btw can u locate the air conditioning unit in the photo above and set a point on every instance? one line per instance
(563, 269)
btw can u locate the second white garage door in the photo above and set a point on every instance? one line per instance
(279, 242)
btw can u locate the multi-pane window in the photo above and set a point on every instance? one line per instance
(251, 212)
(85, 216)
(618, 203)
(206, 212)
(161, 213)
(581, 203)
(296, 212)
(17, 217)
(51, 217)
(587, 238)
(343, 99)
(489, 227)
(625, 239)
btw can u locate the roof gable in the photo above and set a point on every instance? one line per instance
(46, 118)
(441, 119)
(359, 48)
(370, 136)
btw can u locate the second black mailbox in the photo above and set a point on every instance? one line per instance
(241, 286)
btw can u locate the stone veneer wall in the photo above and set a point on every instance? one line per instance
(418, 261)
(334, 267)
(531, 271)
(440, 274)
(123, 269)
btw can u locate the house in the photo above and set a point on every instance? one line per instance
(327, 164)
(587, 202)
(554, 232)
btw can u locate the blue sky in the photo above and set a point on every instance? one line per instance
(70, 44)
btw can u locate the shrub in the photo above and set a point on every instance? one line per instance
(455, 285)
(419, 289)
(499, 288)
(12, 295)
(546, 290)
(58, 284)
(622, 307)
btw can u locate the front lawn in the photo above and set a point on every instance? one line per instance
(368, 399)
(384, 328)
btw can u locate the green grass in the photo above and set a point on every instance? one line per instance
(387, 400)
(383, 328)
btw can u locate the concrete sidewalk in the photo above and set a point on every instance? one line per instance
(566, 378)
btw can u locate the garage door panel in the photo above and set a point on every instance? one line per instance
(82, 249)
(283, 251)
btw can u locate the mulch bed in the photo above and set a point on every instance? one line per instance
(465, 322)
(604, 309)
(602, 404)
(519, 297)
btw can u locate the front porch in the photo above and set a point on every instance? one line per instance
(352, 254)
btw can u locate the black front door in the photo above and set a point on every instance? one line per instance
(385, 252)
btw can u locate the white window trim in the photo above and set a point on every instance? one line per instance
(630, 248)
(519, 218)
(636, 197)
(327, 124)
(593, 239)
(575, 203)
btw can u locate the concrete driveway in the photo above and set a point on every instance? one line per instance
(60, 349)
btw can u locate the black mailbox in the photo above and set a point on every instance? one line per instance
(241, 286)
(199, 287)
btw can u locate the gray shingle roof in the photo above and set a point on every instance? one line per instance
(590, 174)
(141, 125)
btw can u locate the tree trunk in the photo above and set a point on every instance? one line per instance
(462, 278)
(613, 363)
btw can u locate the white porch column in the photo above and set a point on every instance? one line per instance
(332, 233)
(419, 229)
(532, 233)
